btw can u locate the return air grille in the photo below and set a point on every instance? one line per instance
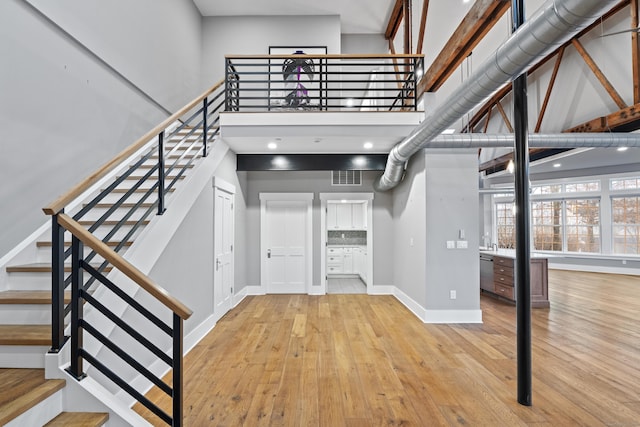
(346, 177)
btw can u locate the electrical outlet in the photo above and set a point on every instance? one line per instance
(452, 294)
(451, 244)
(462, 244)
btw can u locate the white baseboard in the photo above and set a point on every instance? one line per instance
(254, 290)
(408, 302)
(237, 298)
(195, 336)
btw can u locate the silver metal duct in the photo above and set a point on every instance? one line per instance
(536, 140)
(552, 25)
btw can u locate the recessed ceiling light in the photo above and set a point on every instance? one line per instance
(343, 201)
(448, 131)
(360, 161)
(557, 165)
(623, 148)
(272, 146)
(350, 102)
(368, 146)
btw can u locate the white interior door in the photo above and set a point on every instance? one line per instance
(286, 254)
(223, 251)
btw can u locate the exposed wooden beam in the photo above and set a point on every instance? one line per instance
(486, 123)
(394, 21)
(408, 26)
(507, 88)
(423, 25)
(476, 24)
(545, 102)
(504, 117)
(626, 119)
(599, 74)
(635, 52)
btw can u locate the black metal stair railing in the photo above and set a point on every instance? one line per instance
(322, 82)
(174, 152)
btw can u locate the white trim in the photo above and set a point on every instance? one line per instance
(238, 297)
(285, 197)
(254, 290)
(382, 290)
(410, 303)
(453, 316)
(223, 185)
(346, 196)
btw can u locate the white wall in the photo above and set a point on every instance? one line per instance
(63, 113)
(364, 43)
(318, 182)
(409, 232)
(452, 202)
(254, 34)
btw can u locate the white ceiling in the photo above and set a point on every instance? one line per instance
(356, 16)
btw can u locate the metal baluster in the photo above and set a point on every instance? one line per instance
(204, 126)
(226, 85)
(161, 208)
(57, 285)
(75, 369)
(178, 394)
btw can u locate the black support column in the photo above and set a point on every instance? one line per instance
(523, 234)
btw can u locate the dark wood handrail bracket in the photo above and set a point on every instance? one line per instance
(62, 201)
(124, 266)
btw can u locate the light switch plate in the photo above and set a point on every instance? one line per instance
(462, 244)
(451, 244)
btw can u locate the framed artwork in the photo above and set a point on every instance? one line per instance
(297, 84)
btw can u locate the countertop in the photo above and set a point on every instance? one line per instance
(510, 253)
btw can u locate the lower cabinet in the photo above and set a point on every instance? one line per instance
(503, 280)
(347, 260)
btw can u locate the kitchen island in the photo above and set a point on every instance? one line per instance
(497, 276)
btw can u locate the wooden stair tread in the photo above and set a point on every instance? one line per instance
(25, 335)
(110, 243)
(79, 419)
(42, 267)
(30, 297)
(22, 389)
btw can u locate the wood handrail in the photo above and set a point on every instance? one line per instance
(327, 56)
(62, 201)
(124, 266)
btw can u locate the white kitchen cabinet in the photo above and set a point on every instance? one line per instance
(358, 216)
(332, 216)
(347, 216)
(347, 263)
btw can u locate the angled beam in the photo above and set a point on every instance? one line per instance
(408, 26)
(394, 21)
(635, 52)
(599, 74)
(504, 117)
(423, 25)
(486, 123)
(505, 90)
(476, 24)
(627, 119)
(545, 102)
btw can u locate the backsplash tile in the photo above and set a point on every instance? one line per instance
(350, 237)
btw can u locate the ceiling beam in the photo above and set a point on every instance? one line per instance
(624, 120)
(408, 27)
(423, 24)
(635, 52)
(394, 21)
(476, 24)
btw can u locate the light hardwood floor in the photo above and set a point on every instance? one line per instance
(358, 360)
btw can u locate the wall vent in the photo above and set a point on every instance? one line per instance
(346, 177)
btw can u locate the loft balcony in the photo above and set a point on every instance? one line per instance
(316, 104)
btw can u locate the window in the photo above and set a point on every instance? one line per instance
(583, 225)
(505, 225)
(582, 187)
(547, 225)
(546, 189)
(625, 183)
(626, 223)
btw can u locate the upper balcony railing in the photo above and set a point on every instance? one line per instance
(322, 82)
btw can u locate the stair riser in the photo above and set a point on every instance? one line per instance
(44, 254)
(25, 314)
(41, 413)
(29, 281)
(19, 356)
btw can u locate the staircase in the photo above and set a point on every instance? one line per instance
(25, 304)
